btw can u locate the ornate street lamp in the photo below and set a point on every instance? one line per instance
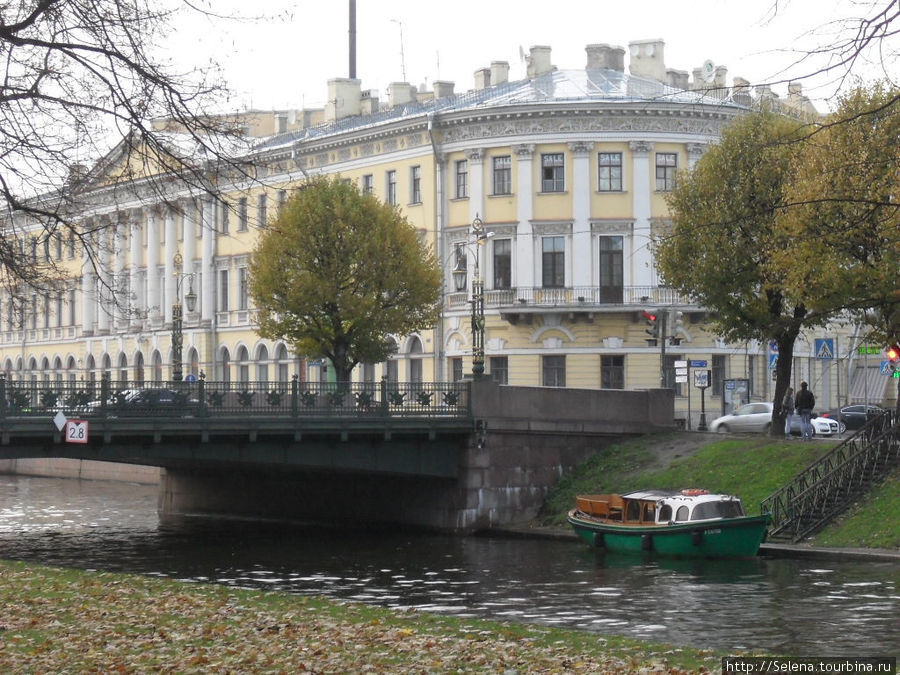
(478, 302)
(191, 300)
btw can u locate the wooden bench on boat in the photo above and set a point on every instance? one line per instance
(601, 506)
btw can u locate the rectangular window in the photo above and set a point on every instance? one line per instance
(59, 245)
(611, 269)
(243, 288)
(71, 244)
(415, 185)
(502, 167)
(223, 290)
(502, 263)
(391, 187)
(553, 369)
(499, 369)
(553, 172)
(553, 259)
(262, 208)
(456, 369)
(282, 200)
(59, 310)
(462, 179)
(368, 183)
(666, 165)
(612, 372)
(242, 214)
(72, 307)
(609, 172)
(226, 208)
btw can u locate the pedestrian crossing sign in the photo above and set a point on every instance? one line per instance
(824, 348)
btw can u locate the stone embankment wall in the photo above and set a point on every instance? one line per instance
(81, 468)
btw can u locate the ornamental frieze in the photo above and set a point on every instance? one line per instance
(585, 124)
(551, 228)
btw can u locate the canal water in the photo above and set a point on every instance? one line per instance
(777, 606)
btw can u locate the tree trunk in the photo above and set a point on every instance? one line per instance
(785, 343)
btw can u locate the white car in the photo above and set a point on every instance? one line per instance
(757, 417)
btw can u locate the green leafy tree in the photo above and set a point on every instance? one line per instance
(844, 216)
(338, 271)
(724, 235)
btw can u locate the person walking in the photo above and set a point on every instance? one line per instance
(787, 407)
(804, 404)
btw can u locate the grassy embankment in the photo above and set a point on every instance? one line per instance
(750, 467)
(57, 620)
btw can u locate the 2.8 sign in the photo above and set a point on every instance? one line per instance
(76, 431)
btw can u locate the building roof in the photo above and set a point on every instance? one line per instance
(559, 86)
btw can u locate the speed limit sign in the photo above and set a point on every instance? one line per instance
(76, 431)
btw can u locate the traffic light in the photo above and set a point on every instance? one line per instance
(650, 318)
(893, 354)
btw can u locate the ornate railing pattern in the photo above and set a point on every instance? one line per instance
(574, 296)
(216, 399)
(830, 484)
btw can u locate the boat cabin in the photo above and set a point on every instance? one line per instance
(660, 507)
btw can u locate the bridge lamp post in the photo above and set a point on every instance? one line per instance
(177, 314)
(459, 278)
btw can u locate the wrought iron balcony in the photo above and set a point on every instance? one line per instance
(574, 298)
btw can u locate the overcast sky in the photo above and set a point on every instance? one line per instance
(285, 59)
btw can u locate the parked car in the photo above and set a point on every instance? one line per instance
(146, 402)
(854, 416)
(757, 417)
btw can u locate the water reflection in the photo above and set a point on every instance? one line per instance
(778, 606)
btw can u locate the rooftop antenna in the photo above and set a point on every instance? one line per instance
(402, 57)
(352, 38)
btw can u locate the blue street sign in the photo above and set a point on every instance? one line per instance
(698, 364)
(773, 361)
(886, 368)
(190, 377)
(773, 346)
(824, 348)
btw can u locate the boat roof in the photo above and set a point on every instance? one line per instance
(656, 495)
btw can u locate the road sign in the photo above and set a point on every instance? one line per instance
(773, 346)
(76, 431)
(680, 379)
(681, 371)
(681, 364)
(701, 379)
(773, 361)
(701, 363)
(824, 348)
(190, 377)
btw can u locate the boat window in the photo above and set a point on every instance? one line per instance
(724, 509)
(682, 513)
(665, 513)
(633, 510)
(649, 513)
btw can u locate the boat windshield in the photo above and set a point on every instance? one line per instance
(717, 509)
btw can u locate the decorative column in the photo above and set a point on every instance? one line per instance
(169, 265)
(582, 266)
(154, 301)
(524, 267)
(207, 271)
(121, 301)
(88, 299)
(136, 303)
(104, 294)
(189, 238)
(641, 262)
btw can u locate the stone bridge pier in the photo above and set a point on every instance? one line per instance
(522, 441)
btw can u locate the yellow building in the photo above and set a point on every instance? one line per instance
(566, 169)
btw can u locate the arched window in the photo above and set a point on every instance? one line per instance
(32, 371)
(226, 364)
(282, 363)
(193, 362)
(123, 369)
(139, 368)
(262, 364)
(391, 371)
(243, 359)
(71, 370)
(156, 366)
(105, 365)
(57, 371)
(415, 360)
(45, 372)
(91, 368)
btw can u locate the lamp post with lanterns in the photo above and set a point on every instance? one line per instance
(459, 278)
(177, 314)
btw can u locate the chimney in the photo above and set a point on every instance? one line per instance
(369, 102)
(538, 61)
(443, 88)
(740, 92)
(343, 99)
(482, 79)
(401, 93)
(499, 72)
(605, 57)
(281, 122)
(648, 59)
(677, 78)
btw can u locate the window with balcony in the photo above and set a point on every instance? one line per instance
(666, 166)
(553, 370)
(502, 175)
(611, 269)
(553, 259)
(462, 179)
(609, 172)
(612, 372)
(502, 263)
(553, 172)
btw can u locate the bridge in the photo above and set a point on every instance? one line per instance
(453, 456)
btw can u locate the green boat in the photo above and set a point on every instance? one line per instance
(688, 523)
